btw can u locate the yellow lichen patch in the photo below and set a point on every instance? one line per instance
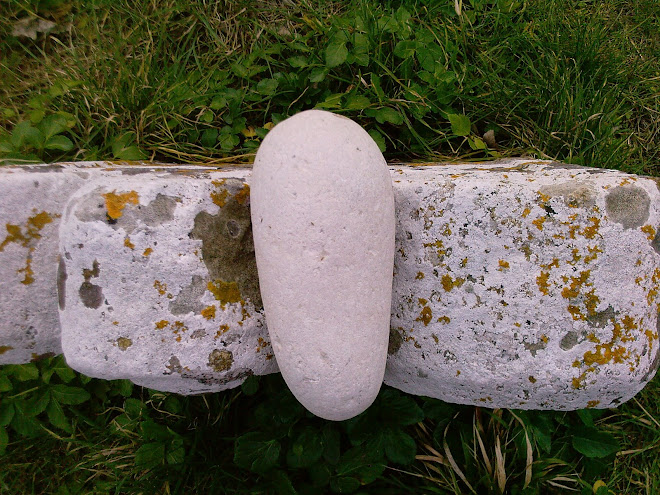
(593, 253)
(225, 292)
(422, 301)
(447, 231)
(591, 231)
(448, 283)
(531, 379)
(539, 222)
(591, 301)
(526, 212)
(209, 312)
(542, 282)
(5, 348)
(262, 344)
(161, 324)
(128, 243)
(503, 265)
(425, 315)
(575, 312)
(115, 203)
(115, 323)
(221, 331)
(464, 262)
(444, 319)
(243, 196)
(435, 338)
(649, 231)
(124, 343)
(458, 372)
(420, 275)
(147, 251)
(220, 197)
(179, 326)
(160, 287)
(576, 284)
(592, 403)
(438, 245)
(34, 225)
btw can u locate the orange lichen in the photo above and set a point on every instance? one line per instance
(34, 225)
(592, 403)
(448, 283)
(503, 265)
(243, 196)
(526, 212)
(444, 319)
(593, 253)
(575, 312)
(147, 252)
(209, 312)
(464, 262)
(542, 282)
(420, 275)
(591, 231)
(124, 343)
(161, 324)
(649, 231)
(539, 222)
(225, 292)
(5, 348)
(576, 283)
(422, 301)
(425, 316)
(160, 287)
(115, 203)
(128, 243)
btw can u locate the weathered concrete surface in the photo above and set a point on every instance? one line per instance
(325, 253)
(32, 199)
(159, 282)
(525, 285)
(517, 284)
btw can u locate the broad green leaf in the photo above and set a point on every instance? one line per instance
(298, 61)
(318, 74)
(399, 446)
(585, 416)
(256, 451)
(36, 404)
(57, 417)
(121, 150)
(218, 102)
(61, 143)
(125, 388)
(332, 101)
(209, 137)
(24, 134)
(305, 450)
(176, 453)
(335, 54)
(405, 48)
(356, 102)
(135, 408)
(37, 115)
(477, 143)
(52, 125)
(6, 412)
(24, 372)
(70, 395)
(207, 117)
(154, 431)
(319, 474)
(361, 464)
(5, 384)
(4, 440)
(150, 455)
(460, 124)
(331, 444)
(594, 443)
(62, 370)
(251, 385)
(228, 141)
(380, 140)
(391, 115)
(282, 483)
(400, 409)
(5, 145)
(23, 424)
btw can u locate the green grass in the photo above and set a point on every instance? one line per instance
(202, 82)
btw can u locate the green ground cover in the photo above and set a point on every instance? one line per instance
(203, 82)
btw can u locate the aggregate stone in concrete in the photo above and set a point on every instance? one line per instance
(159, 282)
(32, 199)
(323, 219)
(524, 284)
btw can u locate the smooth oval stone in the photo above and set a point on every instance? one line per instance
(323, 224)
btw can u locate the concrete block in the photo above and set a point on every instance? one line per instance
(522, 284)
(159, 283)
(32, 200)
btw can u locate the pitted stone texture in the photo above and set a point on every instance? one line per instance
(161, 283)
(32, 200)
(323, 216)
(524, 285)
